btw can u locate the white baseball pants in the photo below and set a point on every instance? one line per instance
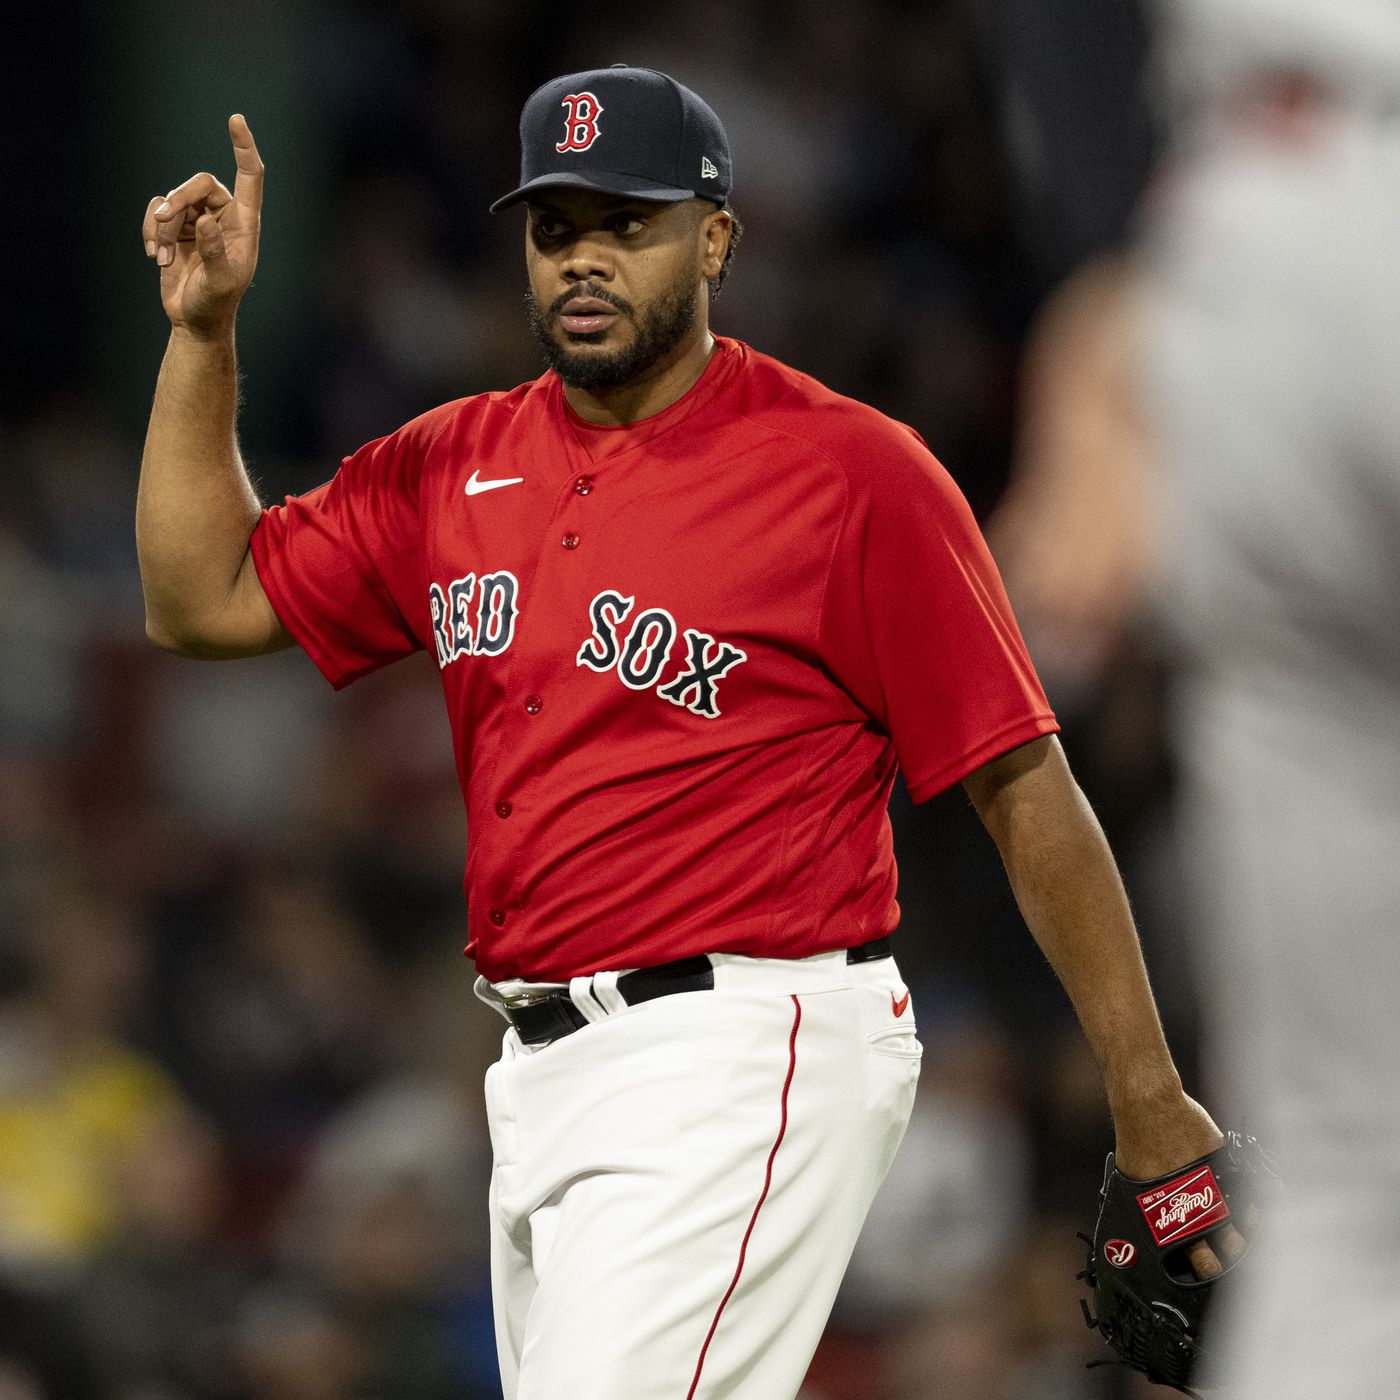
(678, 1186)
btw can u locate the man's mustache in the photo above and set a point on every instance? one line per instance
(593, 292)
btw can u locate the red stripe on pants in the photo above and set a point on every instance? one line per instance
(763, 1196)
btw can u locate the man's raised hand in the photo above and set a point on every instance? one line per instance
(205, 240)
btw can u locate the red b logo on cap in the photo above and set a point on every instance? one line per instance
(581, 123)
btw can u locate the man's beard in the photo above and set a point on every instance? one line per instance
(668, 321)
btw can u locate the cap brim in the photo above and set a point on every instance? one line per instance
(627, 186)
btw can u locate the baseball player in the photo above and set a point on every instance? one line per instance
(1271, 268)
(691, 609)
(1253, 335)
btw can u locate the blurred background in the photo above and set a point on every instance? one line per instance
(242, 1143)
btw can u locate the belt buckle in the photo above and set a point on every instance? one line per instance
(517, 993)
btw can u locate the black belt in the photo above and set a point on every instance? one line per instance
(555, 1015)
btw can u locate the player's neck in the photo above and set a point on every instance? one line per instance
(662, 384)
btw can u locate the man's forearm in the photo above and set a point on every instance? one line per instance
(1073, 901)
(195, 508)
(1069, 891)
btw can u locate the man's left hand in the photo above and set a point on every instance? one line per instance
(1153, 1140)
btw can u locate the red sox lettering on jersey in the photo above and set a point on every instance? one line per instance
(487, 630)
(476, 617)
(582, 111)
(641, 656)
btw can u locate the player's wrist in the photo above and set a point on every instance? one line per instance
(217, 334)
(1142, 1100)
(1142, 1082)
(1153, 1137)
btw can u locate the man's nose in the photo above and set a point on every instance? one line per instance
(588, 260)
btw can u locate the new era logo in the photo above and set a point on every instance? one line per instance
(707, 169)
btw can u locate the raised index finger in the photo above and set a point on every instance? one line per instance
(248, 185)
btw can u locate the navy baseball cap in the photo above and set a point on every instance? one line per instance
(625, 131)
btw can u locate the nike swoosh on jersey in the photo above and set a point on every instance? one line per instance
(900, 1006)
(475, 487)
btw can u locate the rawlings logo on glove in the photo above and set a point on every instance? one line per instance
(1119, 1253)
(1184, 1207)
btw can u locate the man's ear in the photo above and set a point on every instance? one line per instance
(716, 228)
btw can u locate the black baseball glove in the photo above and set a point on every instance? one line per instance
(1151, 1306)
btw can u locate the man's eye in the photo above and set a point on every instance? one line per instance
(549, 228)
(626, 225)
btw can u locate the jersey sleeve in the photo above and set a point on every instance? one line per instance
(343, 565)
(918, 628)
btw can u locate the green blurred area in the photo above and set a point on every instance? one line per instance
(168, 78)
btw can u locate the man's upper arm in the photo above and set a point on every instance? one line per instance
(246, 625)
(1032, 771)
(342, 570)
(258, 618)
(915, 623)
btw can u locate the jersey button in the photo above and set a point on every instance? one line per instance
(570, 541)
(497, 916)
(504, 809)
(583, 485)
(533, 704)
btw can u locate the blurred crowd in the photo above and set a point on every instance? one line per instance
(242, 1143)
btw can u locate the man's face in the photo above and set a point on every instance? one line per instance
(615, 283)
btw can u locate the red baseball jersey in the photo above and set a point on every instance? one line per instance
(681, 658)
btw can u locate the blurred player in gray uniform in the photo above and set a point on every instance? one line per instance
(1271, 357)
(1249, 350)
